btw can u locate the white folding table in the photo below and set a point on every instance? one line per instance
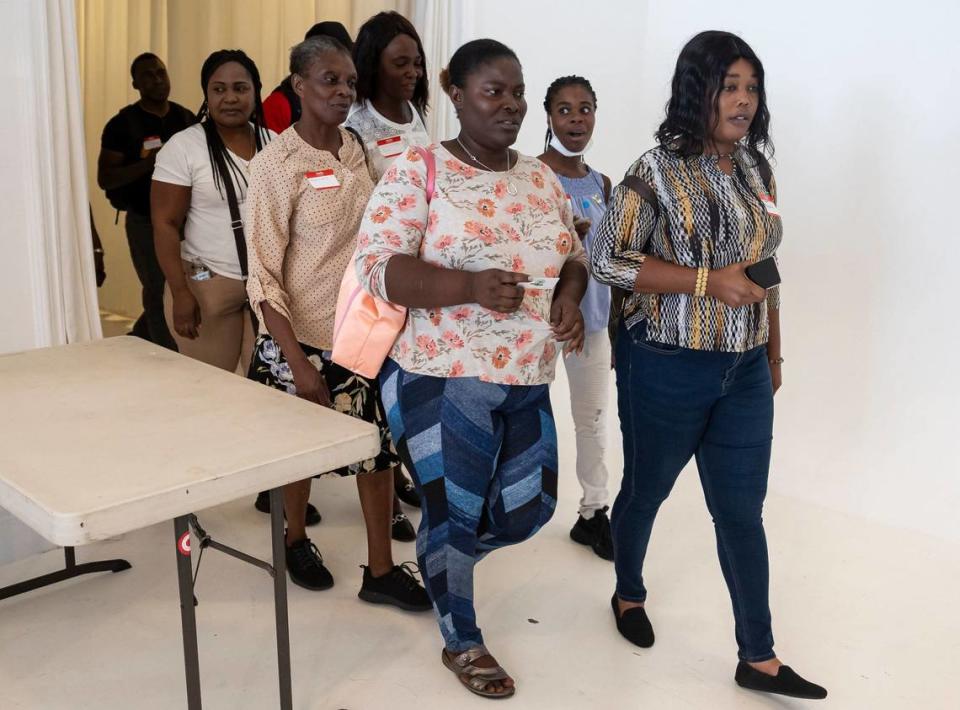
(103, 438)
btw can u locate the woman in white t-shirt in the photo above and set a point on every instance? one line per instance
(392, 90)
(205, 299)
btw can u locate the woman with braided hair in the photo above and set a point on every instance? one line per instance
(199, 182)
(571, 105)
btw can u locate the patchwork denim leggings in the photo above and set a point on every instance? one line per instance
(483, 457)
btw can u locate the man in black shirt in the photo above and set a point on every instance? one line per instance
(128, 148)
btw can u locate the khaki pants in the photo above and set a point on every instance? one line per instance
(226, 330)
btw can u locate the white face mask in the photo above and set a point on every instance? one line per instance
(561, 148)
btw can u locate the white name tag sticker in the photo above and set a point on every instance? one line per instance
(391, 147)
(770, 205)
(323, 179)
(152, 143)
(544, 282)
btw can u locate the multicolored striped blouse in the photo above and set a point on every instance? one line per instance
(702, 217)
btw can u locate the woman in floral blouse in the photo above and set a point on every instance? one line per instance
(492, 273)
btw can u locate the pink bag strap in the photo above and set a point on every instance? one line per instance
(431, 164)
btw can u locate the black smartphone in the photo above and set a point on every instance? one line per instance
(764, 273)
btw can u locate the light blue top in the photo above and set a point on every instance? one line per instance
(586, 194)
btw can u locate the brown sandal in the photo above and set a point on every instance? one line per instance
(474, 678)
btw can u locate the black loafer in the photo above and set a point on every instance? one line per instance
(785, 682)
(633, 624)
(404, 489)
(263, 505)
(401, 529)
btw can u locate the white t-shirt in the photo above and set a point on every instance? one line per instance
(208, 237)
(384, 139)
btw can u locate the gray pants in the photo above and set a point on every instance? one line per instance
(151, 324)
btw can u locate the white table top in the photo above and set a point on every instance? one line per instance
(98, 439)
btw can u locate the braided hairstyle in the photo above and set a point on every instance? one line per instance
(221, 162)
(554, 89)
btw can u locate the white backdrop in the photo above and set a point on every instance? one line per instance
(865, 124)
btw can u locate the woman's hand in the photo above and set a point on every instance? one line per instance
(776, 375)
(582, 226)
(731, 285)
(310, 383)
(186, 314)
(497, 289)
(567, 324)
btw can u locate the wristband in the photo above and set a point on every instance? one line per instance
(776, 361)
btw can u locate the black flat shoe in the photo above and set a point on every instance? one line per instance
(404, 489)
(401, 529)
(785, 682)
(263, 505)
(633, 624)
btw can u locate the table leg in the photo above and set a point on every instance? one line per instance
(70, 570)
(280, 597)
(188, 617)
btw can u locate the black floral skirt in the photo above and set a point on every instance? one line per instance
(350, 393)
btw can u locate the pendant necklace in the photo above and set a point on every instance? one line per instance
(511, 188)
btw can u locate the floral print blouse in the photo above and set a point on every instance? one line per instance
(473, 223)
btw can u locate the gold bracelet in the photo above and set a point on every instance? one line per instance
(700, 289)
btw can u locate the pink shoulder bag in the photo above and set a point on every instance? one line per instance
(366, 327)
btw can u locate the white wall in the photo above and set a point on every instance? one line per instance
(865, 122)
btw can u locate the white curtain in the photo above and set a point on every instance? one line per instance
(443, 26)
(47, 162)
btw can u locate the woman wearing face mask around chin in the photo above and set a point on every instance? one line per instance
(570, 105)
(466, 387)
(392, 96)
(308, 190)
(205, 299)
(698, 350)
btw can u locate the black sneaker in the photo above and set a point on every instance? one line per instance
(405, 489)
(786, 682)
(398, 587)
(401, 529)
(594, 533)
(263, 505)
(305, 566)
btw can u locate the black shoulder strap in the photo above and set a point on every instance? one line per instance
(353, 132)
(236, 223)
(135, 122)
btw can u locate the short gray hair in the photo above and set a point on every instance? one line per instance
(303, 55)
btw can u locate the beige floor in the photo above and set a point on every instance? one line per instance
(868, 611)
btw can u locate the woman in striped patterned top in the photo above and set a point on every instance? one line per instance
(698, 345)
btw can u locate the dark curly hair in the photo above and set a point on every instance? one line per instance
(554, 88)
(693, 107)
(373, 37)
(221, 163)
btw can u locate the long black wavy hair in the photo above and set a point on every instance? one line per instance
(373, 37)
(221, 162)
(693, 108)
(563, 81)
